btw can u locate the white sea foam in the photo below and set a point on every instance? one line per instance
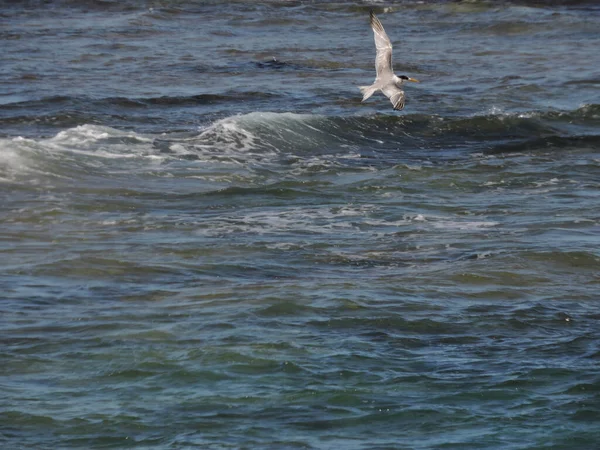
(339, 221)
(303, 220)
(259, 135)
(21, 157)
(550, 182)
(463, 225)
(246, 141)
(59, 156)
(11, 160)
(102, 142)
(494, 111)
(81, 136)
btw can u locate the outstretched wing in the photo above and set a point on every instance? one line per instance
(396, 96)
(383, 59)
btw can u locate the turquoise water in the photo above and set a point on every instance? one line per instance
(204, 247)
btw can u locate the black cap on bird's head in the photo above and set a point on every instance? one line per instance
(405, 78)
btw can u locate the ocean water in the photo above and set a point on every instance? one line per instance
(208, 241)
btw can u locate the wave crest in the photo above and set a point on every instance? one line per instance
(269, 141)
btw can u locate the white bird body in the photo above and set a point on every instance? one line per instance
(386, 81)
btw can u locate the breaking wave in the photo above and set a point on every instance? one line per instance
(268, 140)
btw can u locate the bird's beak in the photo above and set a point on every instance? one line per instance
(414, 80)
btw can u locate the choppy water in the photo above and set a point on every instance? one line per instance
(206, 247)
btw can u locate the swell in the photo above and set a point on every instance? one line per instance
(548, 143)
(67, 107)
(418, 135)
(44, 116)
(133, 102)
(270, 142)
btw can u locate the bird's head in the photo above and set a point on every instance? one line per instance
(404, 78)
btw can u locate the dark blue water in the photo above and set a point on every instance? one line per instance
(208, 241)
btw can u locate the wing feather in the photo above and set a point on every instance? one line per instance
(383, 58)
(396, 96)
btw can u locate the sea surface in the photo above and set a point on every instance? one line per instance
(208, 242)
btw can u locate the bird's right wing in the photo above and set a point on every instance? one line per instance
(383, 59)
(396, 96)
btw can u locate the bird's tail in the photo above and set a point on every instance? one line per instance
(367, 91)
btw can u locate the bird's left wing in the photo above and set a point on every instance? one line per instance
(383, 59)
(396, 96)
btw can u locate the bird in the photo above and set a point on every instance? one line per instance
(386, 81)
